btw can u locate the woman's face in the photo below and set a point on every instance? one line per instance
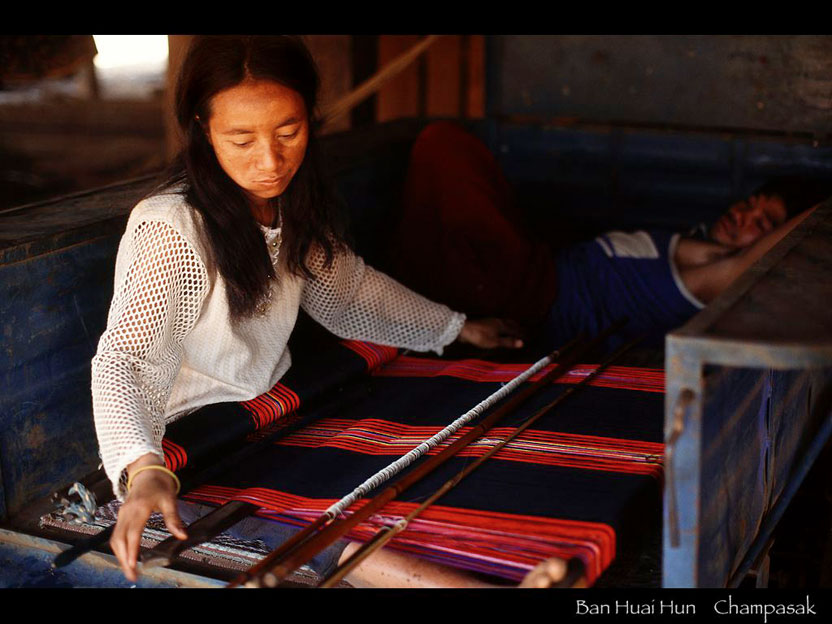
(259, 131)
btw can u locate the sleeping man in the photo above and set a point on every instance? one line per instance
(462, 241)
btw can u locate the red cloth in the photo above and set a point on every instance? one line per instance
(461, 240)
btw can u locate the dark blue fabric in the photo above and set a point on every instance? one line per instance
(594, 289)
(619, 500)
(272, 534)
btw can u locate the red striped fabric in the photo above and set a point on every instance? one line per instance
(624, 377)
(476, 540)
(175, 456)
(375, 355)
(276, 403)
(508, 545)
(380, 437)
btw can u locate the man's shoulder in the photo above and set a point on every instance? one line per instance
(637, 244)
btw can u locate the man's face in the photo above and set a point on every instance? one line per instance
(748, 220)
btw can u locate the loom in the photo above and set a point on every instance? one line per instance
(740, 410)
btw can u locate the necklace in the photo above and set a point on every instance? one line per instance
(273, 248)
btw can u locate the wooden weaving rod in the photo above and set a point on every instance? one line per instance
(303, 546)
(389, 532)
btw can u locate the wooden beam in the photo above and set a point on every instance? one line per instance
(475, 83)
(333, 55)
(400, 96)
(443, 77)
(177, 47)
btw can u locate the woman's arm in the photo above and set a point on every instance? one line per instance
(353, 300)
(709, 280)
(156, 303)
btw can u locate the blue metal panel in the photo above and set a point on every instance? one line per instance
(759, 374)
(53, 309)
(734, 477)
(683, 443)
(608, 177)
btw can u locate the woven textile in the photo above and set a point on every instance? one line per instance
(574, 485)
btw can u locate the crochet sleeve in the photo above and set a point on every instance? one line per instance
(157, 299)
(354, 301)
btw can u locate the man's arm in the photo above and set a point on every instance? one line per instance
(692, 253)
(709, 280)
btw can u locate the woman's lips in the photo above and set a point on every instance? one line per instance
(269, 181)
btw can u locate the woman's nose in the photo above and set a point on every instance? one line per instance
(269, 159)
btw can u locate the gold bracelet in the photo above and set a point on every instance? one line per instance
(154, 467)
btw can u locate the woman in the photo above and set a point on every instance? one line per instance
(214, 266)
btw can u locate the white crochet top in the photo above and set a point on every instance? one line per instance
(170, 346)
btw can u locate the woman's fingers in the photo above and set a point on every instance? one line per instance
(118, 548)
(509, 342)
(152, 490)
(134, 540)
(491, 333)
(172, 520)
(126, 539)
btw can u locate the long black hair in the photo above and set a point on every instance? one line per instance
(311, 214)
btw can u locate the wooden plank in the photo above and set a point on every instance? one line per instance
(399, 97)
(443, 77)
(332, 54)
(177, 47)
(475, 88)
(35, 229)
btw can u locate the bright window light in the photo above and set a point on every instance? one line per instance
(130, 50)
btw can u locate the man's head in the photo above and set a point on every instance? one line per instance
(771, 205)
(749, 219)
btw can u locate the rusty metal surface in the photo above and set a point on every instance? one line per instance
(764, 82)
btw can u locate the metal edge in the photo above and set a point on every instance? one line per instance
(753, 353)
(101, 560)
(680, 567)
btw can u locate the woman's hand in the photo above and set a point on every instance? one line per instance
(490, 333)
(151, 490)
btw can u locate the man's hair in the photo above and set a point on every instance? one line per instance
(798, 193)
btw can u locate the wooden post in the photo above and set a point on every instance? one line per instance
(333, 56)
(177, 47)
(399, 97)
(475, 80)
(448, 82)
(444, 72)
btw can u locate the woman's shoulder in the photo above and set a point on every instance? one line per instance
(170, 207)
